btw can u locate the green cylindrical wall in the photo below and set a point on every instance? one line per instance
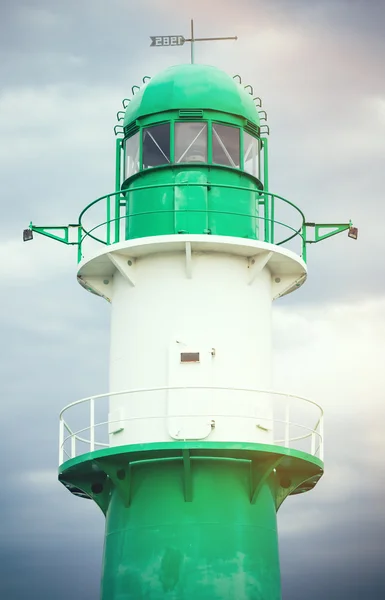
(218, 546)
(183, 208)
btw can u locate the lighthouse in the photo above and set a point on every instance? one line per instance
(192, 451)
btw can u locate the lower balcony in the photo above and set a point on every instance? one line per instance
(190, 414)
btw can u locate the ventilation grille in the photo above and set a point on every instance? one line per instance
(253, 129)
(189, 357)
(191, 114)
(130, 129)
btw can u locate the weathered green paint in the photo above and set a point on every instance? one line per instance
(191, 519)
(191, 87)
(217, 547)
(197, 209)
(268, 200)
(194, 203)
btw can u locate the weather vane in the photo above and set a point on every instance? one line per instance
(179, 40)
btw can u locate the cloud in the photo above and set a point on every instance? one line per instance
(344, 362)
(333, 355)
(24, 266)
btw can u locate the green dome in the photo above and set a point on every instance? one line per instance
(192, 87)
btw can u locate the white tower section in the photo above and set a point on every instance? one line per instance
(188, 312)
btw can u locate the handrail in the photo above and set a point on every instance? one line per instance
(187, 210)
(314, 432)
(191, 184)
(209, 416)
(286, 443)
(190, 387)
(257, 191)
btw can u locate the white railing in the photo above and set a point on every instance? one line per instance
(304, 433)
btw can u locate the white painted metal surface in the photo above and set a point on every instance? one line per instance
(287, 269)
(295, 422)
(210, 296)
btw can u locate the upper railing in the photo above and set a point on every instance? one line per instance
(271, 218)
(287, 420)
(276, 221)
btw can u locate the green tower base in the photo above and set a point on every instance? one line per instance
(191, 520)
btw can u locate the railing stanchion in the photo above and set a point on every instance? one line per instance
(118, 166)
(80, 235)
(287, 424)
(61, 442)
(304, 249)
(108, 220)
(321, 432)
(92, 424)
(312, 451)
(272, 212)
(73, 445)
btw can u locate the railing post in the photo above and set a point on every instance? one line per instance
(266, 189)
(61, 442)
(321, 432)
(108, 236)
(73, 445)
(304, 248)
(92, 424)
(118, 164)
(80, 235)
(287, 424)
(312, 451)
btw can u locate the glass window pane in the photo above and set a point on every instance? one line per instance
(190, 142)
(156, 145)
(251, 154)
(132, 156)
(226, 145)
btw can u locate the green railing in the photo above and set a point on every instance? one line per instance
(106, 229)
(267, 205)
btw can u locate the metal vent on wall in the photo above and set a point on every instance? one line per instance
(130, 129)
(190, 114)
(253, 129)
(189, 357)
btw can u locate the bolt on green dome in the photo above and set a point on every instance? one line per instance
(192, 87)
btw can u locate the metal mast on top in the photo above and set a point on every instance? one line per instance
(179, 40)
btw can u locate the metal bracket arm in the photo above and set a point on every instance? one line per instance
(62, 234)
(261, 473)
(120, 477)
(319, 227)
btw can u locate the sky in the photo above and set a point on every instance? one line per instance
(64, 69)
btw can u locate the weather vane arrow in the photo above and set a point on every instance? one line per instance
(179, 40)
(167, 40)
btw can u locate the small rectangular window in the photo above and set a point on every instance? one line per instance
(190, 142)
(251, 154)
(156, 146)
(189, 357)
(131, 156)
(226, 145)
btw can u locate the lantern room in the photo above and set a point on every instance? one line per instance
(193, 156)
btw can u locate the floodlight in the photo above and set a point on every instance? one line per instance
(353, 233)
(27, 235)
